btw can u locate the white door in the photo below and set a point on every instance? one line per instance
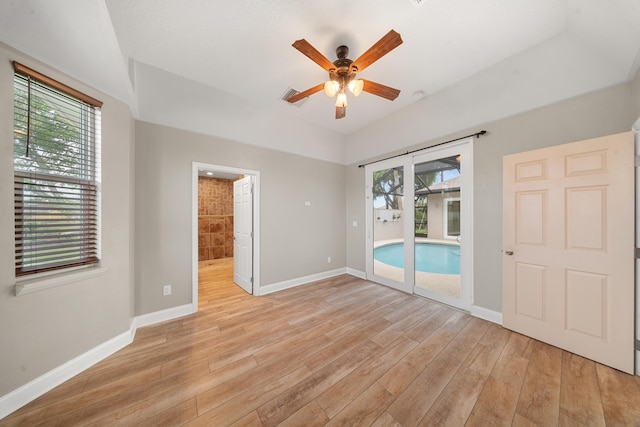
(243, 233)
(568, 254)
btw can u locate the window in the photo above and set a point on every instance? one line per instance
(56, 174)
(452, 218)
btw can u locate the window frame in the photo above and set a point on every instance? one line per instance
(84, 185)
(445, 217)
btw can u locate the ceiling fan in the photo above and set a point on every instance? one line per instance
(342, 72)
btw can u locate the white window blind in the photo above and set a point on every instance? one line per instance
(56, 174)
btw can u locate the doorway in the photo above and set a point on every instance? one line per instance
(568, 247)
(226, 243)
(419, 223)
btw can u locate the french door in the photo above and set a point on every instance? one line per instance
(419, 223)
(389, 220)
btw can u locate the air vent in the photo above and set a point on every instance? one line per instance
(289, 93)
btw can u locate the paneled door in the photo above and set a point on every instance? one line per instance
(243, 233)
(568, 247)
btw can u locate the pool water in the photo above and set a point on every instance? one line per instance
(430, 257)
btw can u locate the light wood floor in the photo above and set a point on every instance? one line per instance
(341, 351)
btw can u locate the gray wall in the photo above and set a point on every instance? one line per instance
(43, 330)
(295, 239)
(596, 114)
(635, 93)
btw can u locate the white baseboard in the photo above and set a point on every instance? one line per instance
(274, 287)
(163, 315)
(357, 273)
(16, 399)
(486, 314)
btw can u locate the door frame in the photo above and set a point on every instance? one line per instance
(636, 144)
(464, 147)
(195, 168)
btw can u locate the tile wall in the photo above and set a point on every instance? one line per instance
(215, 218)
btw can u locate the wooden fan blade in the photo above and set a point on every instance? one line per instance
(386, 44)
(313, 54)
(380, 90)
(341, 112)
(302, 95)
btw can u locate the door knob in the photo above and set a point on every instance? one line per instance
(508, 252)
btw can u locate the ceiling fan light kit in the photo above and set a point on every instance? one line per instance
(341, 99)
(331, 87)
(356, 86)
(342, 72)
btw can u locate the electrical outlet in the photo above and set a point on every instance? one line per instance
(329, 260)
(166, 290)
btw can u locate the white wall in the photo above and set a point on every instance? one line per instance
(388, 230)
(43, 330)
(604, 112)
(295, 239)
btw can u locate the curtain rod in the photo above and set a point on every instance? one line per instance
(477, 134)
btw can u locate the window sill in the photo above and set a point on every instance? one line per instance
(28, 286)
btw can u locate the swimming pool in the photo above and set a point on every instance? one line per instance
(430, 257)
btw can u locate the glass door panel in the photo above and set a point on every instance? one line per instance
(439, 185)
(389, 220)
(388, 223)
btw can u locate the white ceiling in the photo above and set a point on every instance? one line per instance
(233, 60)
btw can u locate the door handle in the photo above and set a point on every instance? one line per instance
(508, 252)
